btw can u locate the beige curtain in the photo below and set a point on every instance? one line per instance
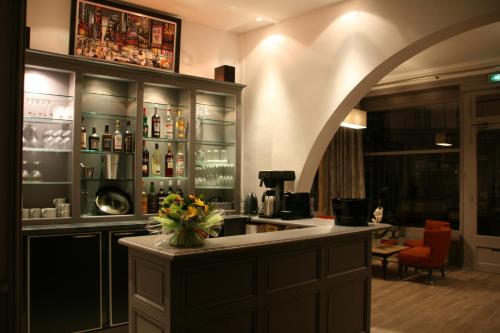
(341, 172)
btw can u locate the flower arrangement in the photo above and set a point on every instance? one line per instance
(188, 221)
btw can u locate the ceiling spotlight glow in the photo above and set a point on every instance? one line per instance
(258, 19)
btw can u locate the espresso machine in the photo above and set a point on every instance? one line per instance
(272, 199)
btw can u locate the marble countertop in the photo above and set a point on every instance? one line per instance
(308, 229)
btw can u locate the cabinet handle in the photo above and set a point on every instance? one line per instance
(496, 250)
(84, 236)
(124, 233)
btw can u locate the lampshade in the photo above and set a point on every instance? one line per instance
(442, 139)
(355, 119)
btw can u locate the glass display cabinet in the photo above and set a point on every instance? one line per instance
(107, 149)
(165, 151)
(48, 132)
(215, 155)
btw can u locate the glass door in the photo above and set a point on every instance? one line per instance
(47, 145)
(165, 124)
(107, 146)
(482, 162)
(215, 155)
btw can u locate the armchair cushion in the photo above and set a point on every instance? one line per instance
(414, 242)
(415, 256)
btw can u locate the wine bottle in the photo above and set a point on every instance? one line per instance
(169, 162)
(117, 138)
(145, 127)
(145, 160)
(169, 126)
(161, 195)
(144, 200)
(155, 124)
(179, 163)
(181, 125)
(106, 139)
(128, 139)
(83, 136)
(152, 204)
(94, 140)
(156, 165)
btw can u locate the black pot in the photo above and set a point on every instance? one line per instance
(251, 206)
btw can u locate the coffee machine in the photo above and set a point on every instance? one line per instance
(272, 199)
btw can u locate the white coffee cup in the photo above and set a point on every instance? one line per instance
(58, 201)
(35, 213)
(26, 213)
(49, 213)
(65, 207)
(65, 213)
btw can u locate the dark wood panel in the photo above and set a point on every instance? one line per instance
(292, 268)
(346, 308)
(219, 283)
(295, 316)
(240, 323)
(149, 282)
(346, 256)
(144, 324)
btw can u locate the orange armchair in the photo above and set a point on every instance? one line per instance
(431, 255)
(429, 225)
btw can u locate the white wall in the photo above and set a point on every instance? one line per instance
(306, 73)
(202, 48)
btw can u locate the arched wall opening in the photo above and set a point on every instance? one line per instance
(370, 80)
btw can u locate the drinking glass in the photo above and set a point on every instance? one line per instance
(36, 175)
(30, 138)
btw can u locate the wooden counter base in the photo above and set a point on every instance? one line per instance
(321, 284)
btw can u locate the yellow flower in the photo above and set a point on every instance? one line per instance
(199, 202)
(191, 212)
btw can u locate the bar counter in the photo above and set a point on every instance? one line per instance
(314, 278)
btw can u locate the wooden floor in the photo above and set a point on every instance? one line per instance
(466, 301)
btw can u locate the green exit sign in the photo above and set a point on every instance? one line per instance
(494, 77)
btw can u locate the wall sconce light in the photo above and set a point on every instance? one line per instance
(356, 119)
(442, 139)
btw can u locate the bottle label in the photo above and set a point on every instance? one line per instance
(170, 163)
(180, 166)
(169, 131)
(156, 128)
(144, 169)
(118, 143)
(106, 144)
(94, 144)
(128, 143)
(83, 141)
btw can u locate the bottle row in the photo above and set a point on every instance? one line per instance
(153, 167)
(152, 201)
(173, 129)
(116, 142)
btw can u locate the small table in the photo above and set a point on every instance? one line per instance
(384, 252)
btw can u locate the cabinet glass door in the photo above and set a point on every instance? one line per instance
(165, 127)
(215, 155)
(107, 146)
(47, 144)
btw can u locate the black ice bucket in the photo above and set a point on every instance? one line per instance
(350, 212)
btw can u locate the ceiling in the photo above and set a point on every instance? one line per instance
(236, 16)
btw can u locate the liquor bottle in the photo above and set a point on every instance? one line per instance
(181, 125)
(179, 163)
(155, 124)
(117, 138)
(161, 195)
(83, 136)
(144, 200)
(128, 139)
(170, 189)
(94, 140)
(152, 204)
(169, 162)
(179, 189)
(169, 126)
(156, 165)
(145, 160)
(145, 127)
(106, 139)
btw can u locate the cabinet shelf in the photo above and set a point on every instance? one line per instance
(106, 180)
(164, 140)
(46, 183)
(164, 106)
(106, 116)
(163, 178)
(47, 150)
(214, 143)
(216, 108)
(200, 187)
(98, 152)
(206, 121)
(44, 120)
(107, 97)
(47, 96)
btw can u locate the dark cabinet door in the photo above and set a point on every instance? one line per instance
(118, 270)
(64, 283)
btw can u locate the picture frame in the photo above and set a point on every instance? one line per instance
(117, 32)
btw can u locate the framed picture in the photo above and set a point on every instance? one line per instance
(112, 31)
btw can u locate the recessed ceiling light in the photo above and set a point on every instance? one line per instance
(258, 19)
(232, 7)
